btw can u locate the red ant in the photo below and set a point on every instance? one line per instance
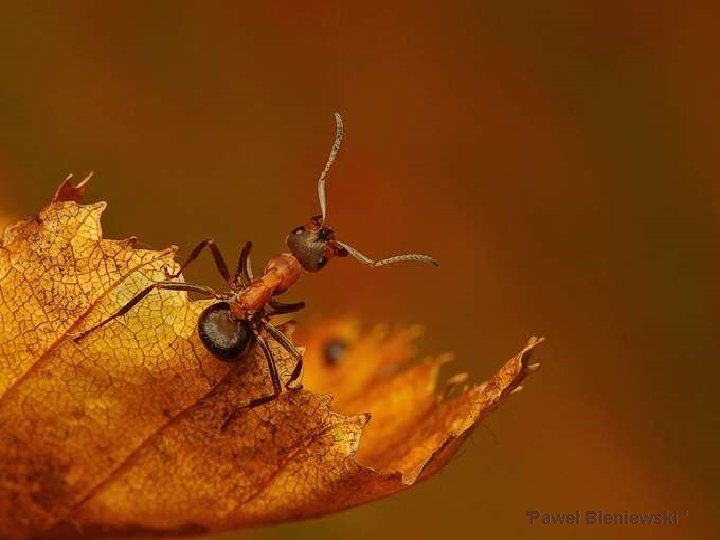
(230, 327)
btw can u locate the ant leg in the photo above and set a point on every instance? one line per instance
(164, 285)
(274, 376)
(280, 308)
(243, 266)
(283, 340)
(277, 387)
(219, 261)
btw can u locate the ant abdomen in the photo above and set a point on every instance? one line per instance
(226, 337)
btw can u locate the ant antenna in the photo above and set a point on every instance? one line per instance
(390, 260)
(339, 130)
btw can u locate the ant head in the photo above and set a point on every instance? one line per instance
(314, 244)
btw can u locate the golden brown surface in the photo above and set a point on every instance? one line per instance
(137, 428)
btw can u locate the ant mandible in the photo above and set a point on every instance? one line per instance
(230, 327)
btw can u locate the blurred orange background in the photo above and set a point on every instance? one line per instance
(559, 159)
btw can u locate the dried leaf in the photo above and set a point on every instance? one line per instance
(137, 428)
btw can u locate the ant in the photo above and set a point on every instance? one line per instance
(235, 323)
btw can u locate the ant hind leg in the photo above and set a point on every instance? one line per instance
(277, 386)
(274, 377)
(283, 340)
(161, 285)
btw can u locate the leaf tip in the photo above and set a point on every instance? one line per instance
(130, 242)
(527, 353)
(69, 192)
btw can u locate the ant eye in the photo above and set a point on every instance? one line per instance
(298, 230)
(322, 261)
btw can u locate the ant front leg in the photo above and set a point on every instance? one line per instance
(162, 285)
(217, 256)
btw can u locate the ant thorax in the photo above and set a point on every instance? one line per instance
(280, 273)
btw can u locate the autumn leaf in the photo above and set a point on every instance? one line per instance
(138, 429)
